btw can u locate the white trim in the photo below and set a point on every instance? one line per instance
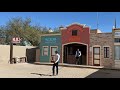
(75, 23)
(92, 53)
(87, 54)
(89, 31)
(84, 25)
(63, 28)
(75, 43)
(62, 52)
(117, 60)
(50, 52)
(116, 44)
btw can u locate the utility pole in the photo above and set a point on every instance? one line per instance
(97, 20)
(115, 22)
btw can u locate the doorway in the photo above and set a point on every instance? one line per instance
(52, 52)
(70, 51)
(96, 56)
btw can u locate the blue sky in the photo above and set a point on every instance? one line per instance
(55, 19)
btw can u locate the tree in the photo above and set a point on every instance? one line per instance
(45, 30)
(3, 35)
(56, 30)
(32, 35)
(18, 27)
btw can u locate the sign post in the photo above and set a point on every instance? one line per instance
(11, 52)
(13, 40)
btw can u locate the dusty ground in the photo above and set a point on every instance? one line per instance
(25, 70)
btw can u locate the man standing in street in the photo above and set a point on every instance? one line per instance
(77, 56)
(57, 57)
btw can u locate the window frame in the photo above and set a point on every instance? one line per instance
(106, 52)
(116, 40)
(45, 51)
(74, 32)
(51, 49)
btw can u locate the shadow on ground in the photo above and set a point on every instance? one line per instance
(42, 74)
(103, 73)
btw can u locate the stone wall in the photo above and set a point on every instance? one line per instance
(101, 40)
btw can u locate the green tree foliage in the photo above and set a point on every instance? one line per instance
(18, 27)
(3, 35)
(2, 32)
(56, 30)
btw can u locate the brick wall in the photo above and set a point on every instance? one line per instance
(102, 39)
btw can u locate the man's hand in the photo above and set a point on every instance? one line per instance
(52, 61)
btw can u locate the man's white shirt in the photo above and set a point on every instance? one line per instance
(79, 53)
(57, 58)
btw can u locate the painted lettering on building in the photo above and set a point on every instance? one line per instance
(50, 40)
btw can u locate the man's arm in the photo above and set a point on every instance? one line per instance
(80, 53)
(76, 54)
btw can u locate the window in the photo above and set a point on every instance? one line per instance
(45, 51)
(117, 40)
(96, 55)
(74, 32)
(53, 49)
(106, 52)
(117, 52)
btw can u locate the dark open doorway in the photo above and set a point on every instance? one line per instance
(69, 53)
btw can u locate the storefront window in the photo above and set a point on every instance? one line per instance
(45, 51)
(117, 52)
(117, 40)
